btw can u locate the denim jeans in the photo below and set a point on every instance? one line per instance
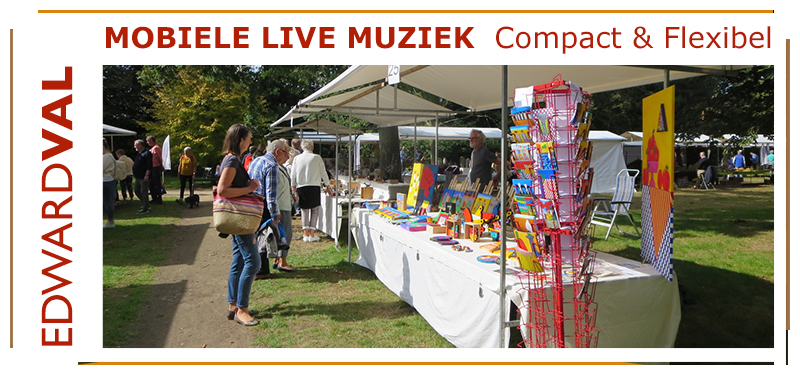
(109, 195)
(244, 265)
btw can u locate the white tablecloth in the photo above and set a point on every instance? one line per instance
(459, 296)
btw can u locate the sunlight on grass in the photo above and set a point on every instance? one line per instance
(723, 260)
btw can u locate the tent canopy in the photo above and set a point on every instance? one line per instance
(109, 130)
(320, 125)
(472, 86)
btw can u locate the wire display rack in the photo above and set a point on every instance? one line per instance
(551, 156)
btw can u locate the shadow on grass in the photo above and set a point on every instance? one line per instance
(720, 308)
(342, 312)
(331, 274)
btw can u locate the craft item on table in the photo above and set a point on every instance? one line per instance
(549, 183)
(583, 207)
(451, 242)
(401, 201)
(490, 247)
(550, 213)
(520, 133)
(547, 155)
(473, 231)
(482, 202)
(511, 253)
(467, 214)
(584, 287)
(520, 115)
(522, 151)
(583, 150)
(441, 238)
(489, 259)
(583, 130)
(494, 229)
(392, 213)
(453, 228)
(528, 261)
(523, 187)
(422, 185)
(414, 227)
(586, 185)
(525, 223)
(580, 109)
(528, 241)
(372, 206)
(442, 219)
(436, 229)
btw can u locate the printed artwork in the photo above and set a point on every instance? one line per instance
(422, 185)
(658, 112)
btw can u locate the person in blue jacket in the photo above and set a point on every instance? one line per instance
(738, 160)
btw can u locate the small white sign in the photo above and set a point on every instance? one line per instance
(393, 75)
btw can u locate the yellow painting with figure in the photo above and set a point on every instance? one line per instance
(658, 126)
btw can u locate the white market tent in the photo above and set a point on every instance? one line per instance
(476, 88)
(607, 160)
(112, 131)
(607, 155)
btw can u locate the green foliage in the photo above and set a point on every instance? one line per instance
(711, 105)
(124, 101)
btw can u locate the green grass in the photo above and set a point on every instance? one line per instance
(131, 253)
(724, 262)
(333, 303)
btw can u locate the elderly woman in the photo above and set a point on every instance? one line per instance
(234, 182)
(308, 178)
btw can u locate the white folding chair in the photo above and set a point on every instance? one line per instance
(706, 177)
(606, 210)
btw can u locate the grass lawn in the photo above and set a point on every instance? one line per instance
(131, 252)
(724, 261)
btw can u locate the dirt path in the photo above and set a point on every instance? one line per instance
(186, 304)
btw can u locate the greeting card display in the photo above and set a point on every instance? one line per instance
(551, 204)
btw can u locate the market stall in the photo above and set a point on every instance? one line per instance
(460, 296)
(428, 288)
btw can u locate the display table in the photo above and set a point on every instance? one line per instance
(328, 215)
(459, 296)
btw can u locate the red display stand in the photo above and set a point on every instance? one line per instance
(552, 154)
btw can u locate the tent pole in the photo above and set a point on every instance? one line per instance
(502, 192)
(337, 227)
(436, 142)
(415, 139)
(666, 78)
(349, 194)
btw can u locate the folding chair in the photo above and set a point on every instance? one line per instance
(707, 178)
(606, 211)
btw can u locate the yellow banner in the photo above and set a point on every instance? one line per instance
(658, 145)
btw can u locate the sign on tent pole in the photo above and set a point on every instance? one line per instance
(393, 74)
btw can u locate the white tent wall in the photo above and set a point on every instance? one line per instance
(607, 161)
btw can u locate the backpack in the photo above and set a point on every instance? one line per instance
(120, 171)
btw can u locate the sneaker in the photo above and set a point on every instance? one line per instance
(179, 201)
(305, 238)
(313, 238)
(109, 224)
(143, 211)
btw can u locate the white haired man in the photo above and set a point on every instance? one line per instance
(481, 161)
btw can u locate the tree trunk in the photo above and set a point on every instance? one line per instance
(390, 153)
